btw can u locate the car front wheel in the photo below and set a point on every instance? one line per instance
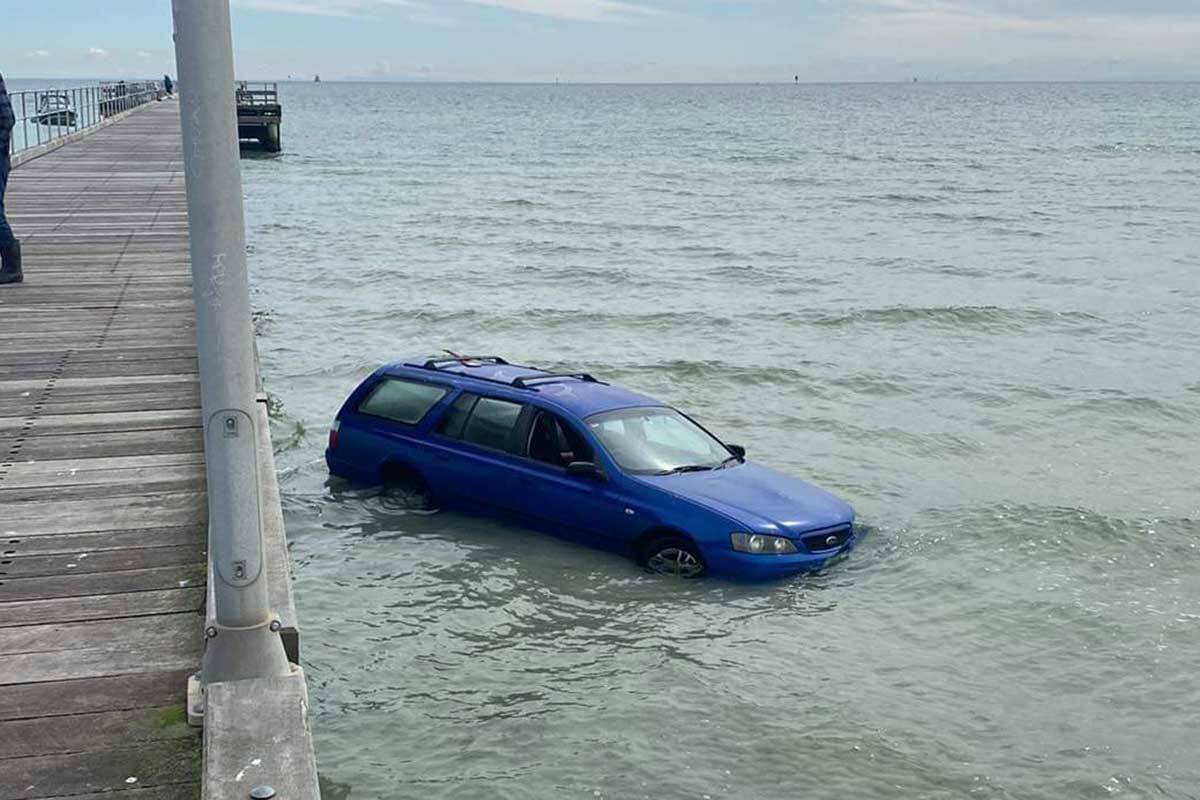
(673, 555)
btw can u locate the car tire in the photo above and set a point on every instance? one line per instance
(673, 555)
(405, 490)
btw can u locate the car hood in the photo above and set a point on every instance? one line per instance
(758, 497)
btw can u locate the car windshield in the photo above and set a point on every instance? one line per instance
(657, 441)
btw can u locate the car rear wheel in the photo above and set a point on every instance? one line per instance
(405, 490)
(673, 555)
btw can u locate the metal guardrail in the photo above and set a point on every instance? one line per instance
(257, 94)
(45, 115)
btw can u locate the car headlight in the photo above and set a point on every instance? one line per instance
(762, 544)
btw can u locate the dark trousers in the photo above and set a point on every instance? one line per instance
(7, 239)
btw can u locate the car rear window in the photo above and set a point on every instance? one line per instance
(402, 401)
(493, 424)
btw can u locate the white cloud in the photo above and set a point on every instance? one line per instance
(38, 54)
(821, 39)
(584, 10)
(966, 32)
(325, 8)
(97, 52)
(579, 10)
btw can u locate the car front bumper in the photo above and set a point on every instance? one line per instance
(728, 563)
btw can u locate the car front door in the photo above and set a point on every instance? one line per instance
(580, 506)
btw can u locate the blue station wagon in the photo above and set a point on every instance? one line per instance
(574, 456)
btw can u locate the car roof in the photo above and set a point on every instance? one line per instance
(578, 394)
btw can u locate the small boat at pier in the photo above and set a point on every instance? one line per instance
(55, 108)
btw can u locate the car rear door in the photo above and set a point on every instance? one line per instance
(473, 452)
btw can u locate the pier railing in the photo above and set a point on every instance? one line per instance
(257, 94)
(46, 115)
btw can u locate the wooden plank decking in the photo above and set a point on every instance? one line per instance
(102, 504)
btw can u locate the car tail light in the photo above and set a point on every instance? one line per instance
(333, 431)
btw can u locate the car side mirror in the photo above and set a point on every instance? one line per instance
(737, 450)
(586, 469)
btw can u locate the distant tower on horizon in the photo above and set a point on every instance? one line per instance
(316, 78)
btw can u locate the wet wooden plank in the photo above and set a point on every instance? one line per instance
(109, 606)
(155, 764)
(50, 735)
(68, 388)
(165, 631)
(109, 444)
(85, 696)
(103, 513)
(100, 659)
(158, 401)
(75, 424)
(78, 585)
(131, 352)
(93, 471)
(173, 791)
(100, 541)
(161, 483)
(83, 562)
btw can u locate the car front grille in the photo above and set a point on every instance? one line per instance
(828, 539)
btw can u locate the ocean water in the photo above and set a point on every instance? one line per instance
(971, 310)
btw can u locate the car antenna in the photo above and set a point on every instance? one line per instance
(466, 361)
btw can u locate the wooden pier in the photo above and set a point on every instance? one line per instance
(260, 116)
(103, 511)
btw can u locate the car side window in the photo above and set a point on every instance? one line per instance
(555, 442)
(493, 424)
(402, 401)
(452, 423)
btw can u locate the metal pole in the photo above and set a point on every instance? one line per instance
(241, 644)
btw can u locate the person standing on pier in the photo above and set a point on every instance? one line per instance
(10, 248)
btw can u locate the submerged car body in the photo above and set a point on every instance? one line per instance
(593, 462)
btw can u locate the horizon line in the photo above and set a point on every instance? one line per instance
(558, 82)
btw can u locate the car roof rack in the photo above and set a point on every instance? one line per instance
(526, 381)
(465, 361)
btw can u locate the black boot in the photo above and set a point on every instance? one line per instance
(10, 272)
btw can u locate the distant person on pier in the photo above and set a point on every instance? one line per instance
(168, 84)
(10, 248)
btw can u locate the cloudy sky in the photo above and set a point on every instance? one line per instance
(628, 40)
